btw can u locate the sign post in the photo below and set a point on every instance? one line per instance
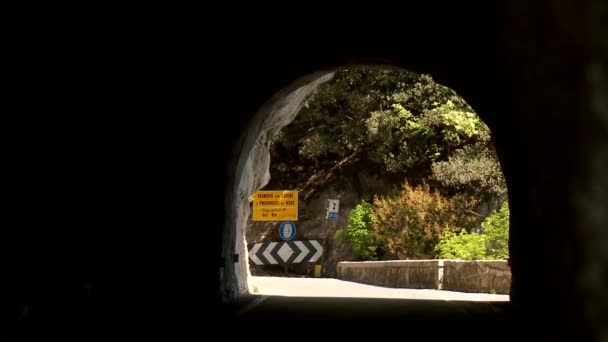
(287, 230)
(281, 205)
(286, 252)
(333, 207)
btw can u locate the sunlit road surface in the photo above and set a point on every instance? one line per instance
(325, 287)
(318, 307)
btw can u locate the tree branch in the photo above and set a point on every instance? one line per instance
(320, 178)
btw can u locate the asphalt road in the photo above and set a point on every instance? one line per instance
(335, 310)
(327, 287)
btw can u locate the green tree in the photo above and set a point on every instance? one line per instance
(397, 125)
(401, 123)
(358, 235)
(473, 169)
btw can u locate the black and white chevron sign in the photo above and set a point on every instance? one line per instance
(285, 252)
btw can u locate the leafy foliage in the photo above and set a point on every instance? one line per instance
(401, 125)
(358, 235)
(457, 124)
(409, 224)
(491, 244)
(468, 246)
(472, 169)
(496, 228)
(405, 123)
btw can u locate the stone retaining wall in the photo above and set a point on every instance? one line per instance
(487, 276)
(412, 274)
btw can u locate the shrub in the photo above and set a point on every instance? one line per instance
(492, 243)
(358, 235)
(496, 229)
(409, 224)
(468, 246)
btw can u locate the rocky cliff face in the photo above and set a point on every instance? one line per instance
(349, 188)
(252, 173)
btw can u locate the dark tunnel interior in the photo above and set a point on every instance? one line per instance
(124, 143)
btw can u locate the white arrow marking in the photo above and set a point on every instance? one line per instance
(303, 253)
(319, 250)
(267, 255)
(254, 257)
(285, 252)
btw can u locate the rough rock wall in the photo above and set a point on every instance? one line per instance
(312, 224)
(251, 175)
(554, 57)
(535, 73)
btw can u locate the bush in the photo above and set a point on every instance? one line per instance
(496, 229)
(492, 243)
(410, 224)
(461, 246)
(358, 235)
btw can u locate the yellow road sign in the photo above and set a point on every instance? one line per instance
(281, 205)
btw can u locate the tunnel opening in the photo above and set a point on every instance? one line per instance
(414, 140)
(542, 66)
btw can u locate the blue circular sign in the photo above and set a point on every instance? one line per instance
(287, 230)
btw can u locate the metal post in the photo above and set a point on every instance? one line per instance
(324, 241)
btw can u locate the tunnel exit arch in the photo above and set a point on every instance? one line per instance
(252, 160)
